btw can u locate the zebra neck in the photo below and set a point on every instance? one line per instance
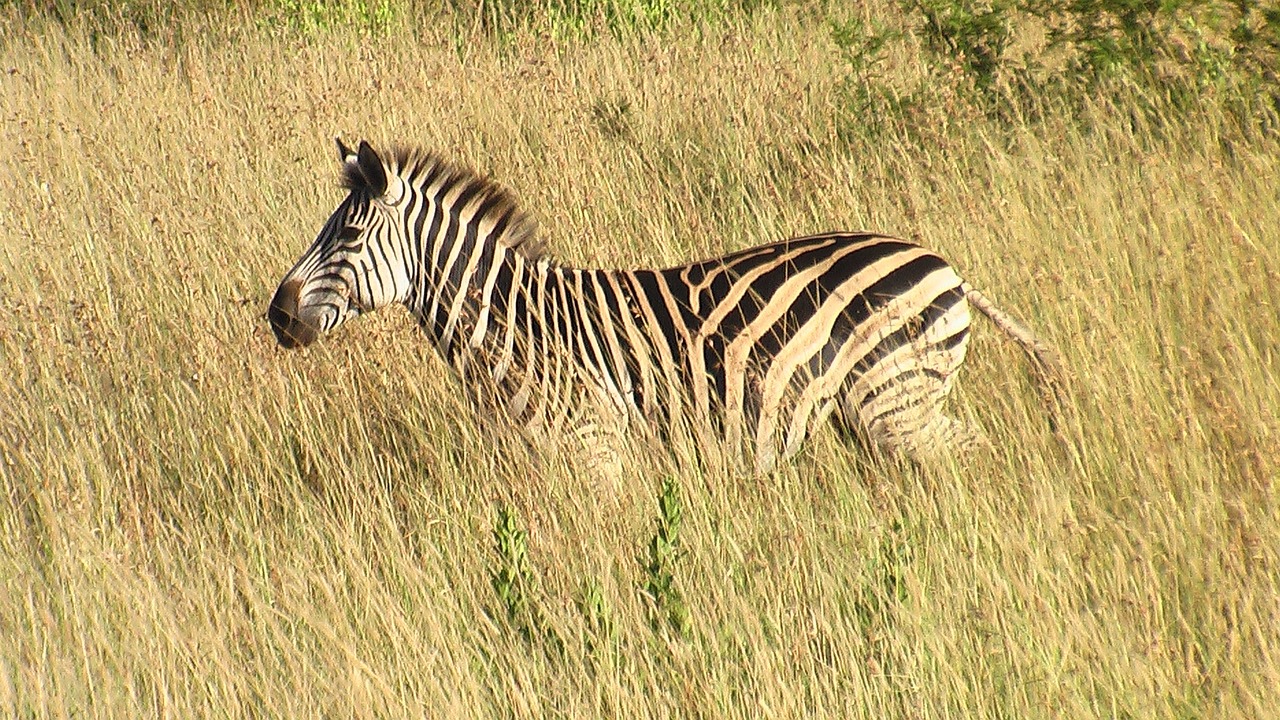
(514, 333)
(475, 299)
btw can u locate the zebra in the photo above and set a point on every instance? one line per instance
(753, 349)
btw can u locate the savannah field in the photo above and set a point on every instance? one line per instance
(196, 523)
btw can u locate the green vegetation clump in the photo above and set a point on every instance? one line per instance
(1010, 59)
(516, 585)
(668, 609)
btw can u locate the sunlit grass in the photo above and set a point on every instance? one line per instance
(198, 523)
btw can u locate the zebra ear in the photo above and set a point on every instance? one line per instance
(375, 175)
(345, 154)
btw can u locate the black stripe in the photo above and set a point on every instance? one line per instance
(954, 340)
(615, 309)
(647, 285)
(909, 330)
(598, 350)
(901, 378)
(500, 296)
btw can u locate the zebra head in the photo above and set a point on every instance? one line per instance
(357, 263)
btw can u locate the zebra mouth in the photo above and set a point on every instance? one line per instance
(354, 310)
(290, 330)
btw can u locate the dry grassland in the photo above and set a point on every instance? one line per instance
(195, 523)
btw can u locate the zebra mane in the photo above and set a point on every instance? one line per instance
(422, 168)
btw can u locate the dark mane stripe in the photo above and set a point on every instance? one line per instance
(422, 168)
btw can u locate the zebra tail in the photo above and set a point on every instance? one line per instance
(1050, 375)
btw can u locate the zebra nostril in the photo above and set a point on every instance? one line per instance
(290, 330)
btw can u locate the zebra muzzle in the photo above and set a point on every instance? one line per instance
(290, 329)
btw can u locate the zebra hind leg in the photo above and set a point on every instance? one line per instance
(921, 433)
(904, 415)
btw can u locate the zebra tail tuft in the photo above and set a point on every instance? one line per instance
(1048, 370)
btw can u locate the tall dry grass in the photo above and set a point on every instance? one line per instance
(196, 523)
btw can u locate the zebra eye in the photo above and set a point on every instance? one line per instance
(350, 236)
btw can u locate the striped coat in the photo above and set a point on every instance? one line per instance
(753, 349)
